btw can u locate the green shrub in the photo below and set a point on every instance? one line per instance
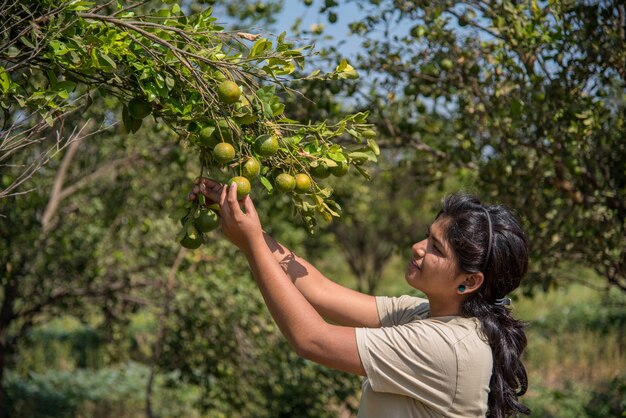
(609, 400)
(94, 393)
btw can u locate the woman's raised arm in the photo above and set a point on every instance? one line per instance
(332, 301)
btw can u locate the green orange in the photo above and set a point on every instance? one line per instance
(224, 131)
(266, 145)
(285, 182)
(206, 137)
(206, 221)
(224, 152)
(138, 108)
(303, 183)
(340, 170)
(191, 243)
(228, 92)
(243, 186)
(320, 171)
(446, 64)
(251, 168)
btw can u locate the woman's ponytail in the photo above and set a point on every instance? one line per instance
(490, 239)
(506, 337)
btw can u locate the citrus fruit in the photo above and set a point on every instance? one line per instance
(251, 168)
(418, 31)
(285, 182)
(243, 186)
(340, 170)
(191, 243)
(303, 183)
(446, 64)
(223, 152)
(206, 137)
(206, 221)
(320, 171)
(138, 108)
(266, 145)
(228, 92)
(224, 131)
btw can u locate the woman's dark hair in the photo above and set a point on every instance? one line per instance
(503, 260)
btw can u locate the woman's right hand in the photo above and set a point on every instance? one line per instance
(241, 227)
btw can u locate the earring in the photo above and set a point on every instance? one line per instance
(462, 288)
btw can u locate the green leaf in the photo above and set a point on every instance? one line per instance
(80, 5)
(5, 81)
(26, 42)
(373, 146)
(178, 213)
(266, 183)
(287, 120)
(363, 172)
(66, 85)
(342, 66)
(128, 124)
(278, 109)
(260, 46)
(108, 62)
(359, 156)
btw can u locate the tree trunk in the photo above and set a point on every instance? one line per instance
(156, 354)
(6, 317)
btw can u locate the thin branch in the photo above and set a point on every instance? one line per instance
(131, 7)
(43, 159)
(101, 172)
(65, 292)
(54, 201)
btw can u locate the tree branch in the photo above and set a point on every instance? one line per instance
(169, 286)
(55, 195)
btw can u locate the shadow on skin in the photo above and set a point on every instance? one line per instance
(288, 262)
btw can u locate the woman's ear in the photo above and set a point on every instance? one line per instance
(473, 282)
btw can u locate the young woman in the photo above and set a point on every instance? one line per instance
(455, 354)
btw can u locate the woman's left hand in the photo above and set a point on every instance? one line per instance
(242, 227)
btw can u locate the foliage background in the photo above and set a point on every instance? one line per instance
(123, 323)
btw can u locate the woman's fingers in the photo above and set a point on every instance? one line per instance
(249, 206)
(232, 199)
(222, 198)
(211, 189)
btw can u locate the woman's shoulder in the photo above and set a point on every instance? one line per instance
(398, 310)
(459, 330)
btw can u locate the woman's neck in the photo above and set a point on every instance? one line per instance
(444, 308)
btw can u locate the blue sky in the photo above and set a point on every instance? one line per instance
(347, 13)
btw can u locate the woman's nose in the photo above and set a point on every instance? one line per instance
(418, 249)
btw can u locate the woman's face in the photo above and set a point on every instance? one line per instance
(433, 267)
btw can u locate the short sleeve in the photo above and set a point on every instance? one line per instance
(401, 310)
(414, 360)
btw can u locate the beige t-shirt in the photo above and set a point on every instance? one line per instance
(423, 367)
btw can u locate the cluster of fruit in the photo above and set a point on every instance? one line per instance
(249, 145)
